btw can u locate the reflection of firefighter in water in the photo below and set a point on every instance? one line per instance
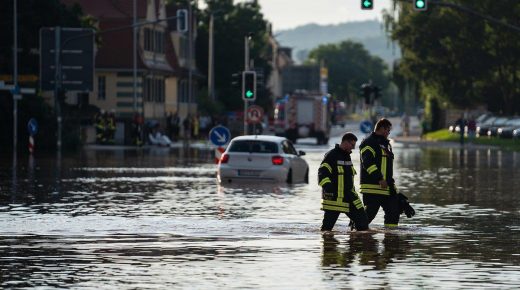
(364, 248)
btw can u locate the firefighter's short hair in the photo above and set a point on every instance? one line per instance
(349, 136)
(383, 123)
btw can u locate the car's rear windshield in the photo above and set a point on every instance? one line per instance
(253, 146)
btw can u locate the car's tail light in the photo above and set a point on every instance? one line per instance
(277, 160)
(224, 158)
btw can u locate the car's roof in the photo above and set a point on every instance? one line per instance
(269, 138)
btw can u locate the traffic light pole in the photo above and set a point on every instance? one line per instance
(15, 77)
(246, 68)
(57, 82)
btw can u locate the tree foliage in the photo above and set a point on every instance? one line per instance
(458, 57)
(232, 22)
(350, 65)
(32, 15)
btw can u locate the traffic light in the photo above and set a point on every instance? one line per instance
(366, 91)
(377, 92)
(236, 80)
(367, 4)
(249, 85)
(420, 5)
(182, 20)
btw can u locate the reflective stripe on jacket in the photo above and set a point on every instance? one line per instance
(376, 164)
(336, 177)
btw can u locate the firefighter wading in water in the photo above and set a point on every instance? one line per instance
(336, 177)
(377, 182)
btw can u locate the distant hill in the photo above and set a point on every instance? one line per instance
(370, 33)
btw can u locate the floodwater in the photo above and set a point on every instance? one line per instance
(158, 219)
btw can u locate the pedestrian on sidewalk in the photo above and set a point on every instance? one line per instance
(472, 129)
(405, 125)
(461, 123)
(186, 124)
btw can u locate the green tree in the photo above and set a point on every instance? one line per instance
(459, 58)
(232, 22)
(350, 65)
(32, 15)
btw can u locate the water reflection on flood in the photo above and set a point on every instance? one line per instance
(159, 219)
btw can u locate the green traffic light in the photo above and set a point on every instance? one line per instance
(249, 94)
(367, 4)
(419, 4)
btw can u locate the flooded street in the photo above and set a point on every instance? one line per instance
(159, 219)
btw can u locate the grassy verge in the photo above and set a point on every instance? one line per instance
(446, 135)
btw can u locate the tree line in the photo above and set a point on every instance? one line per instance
(459, 59)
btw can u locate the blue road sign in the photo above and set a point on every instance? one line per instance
(366, 126)
(219, 135)
(15, 90)
(32, 127)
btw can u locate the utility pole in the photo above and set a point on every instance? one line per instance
(190, 55)
(134, 46)
(211, 62)
(15, 77)
(57, 82)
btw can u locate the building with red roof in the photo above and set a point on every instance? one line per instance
(162, 60)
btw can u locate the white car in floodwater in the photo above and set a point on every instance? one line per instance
(262, 157)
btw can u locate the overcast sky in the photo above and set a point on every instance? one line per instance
(291, 13)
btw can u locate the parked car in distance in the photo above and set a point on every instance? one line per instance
(262, 157)
(506, 131)
(484, 126)
(516, 133)
(493, 129)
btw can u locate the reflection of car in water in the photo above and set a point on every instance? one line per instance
(262, 157)
(302, 115)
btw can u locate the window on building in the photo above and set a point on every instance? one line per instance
(182, 94)
(154, 89)
(183, 43)
(159, 41)
(160, 89)
(102, 93)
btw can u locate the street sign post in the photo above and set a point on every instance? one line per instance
(219, 135)
(76, 58)
(32, 127)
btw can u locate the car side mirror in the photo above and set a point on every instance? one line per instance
(301, 153)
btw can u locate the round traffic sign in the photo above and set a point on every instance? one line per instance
(254, 114)
(366, 126)
(219, 135)
(32, 127)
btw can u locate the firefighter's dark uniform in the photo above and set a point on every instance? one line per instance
(336, 177)
(377, 164)
(100, 129)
